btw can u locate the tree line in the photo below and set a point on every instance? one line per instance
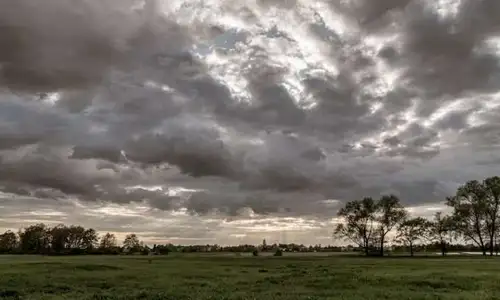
(474, 218)
(62, 239)
(77, 240)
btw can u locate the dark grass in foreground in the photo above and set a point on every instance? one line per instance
(287, 278)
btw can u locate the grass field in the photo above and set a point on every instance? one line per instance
(229, 277)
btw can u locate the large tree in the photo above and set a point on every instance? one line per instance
(470, 213)
(412, 230)
(492, 193)
(358, 222)
(390, 213)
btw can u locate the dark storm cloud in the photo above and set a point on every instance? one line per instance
(201, 154)
(39, 54)
(138, 107)
(446, 56)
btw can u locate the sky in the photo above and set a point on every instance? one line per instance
(227, 121)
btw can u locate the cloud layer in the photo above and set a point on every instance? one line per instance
(225, 108)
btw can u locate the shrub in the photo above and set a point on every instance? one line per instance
(255, 253)
(278, 252)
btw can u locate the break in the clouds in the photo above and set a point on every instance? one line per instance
(235, 109)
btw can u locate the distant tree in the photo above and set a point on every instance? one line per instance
(8, 242)
(145, 250)
(163, 249)
(441, 231)
(412, 230)
(108, 241)
(358, 222)
(34, 239)
(90, 239)
(132, 243)
(59, 238)
(470, 210)
(390, 213)
(76, 237)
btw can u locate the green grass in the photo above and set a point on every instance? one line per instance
(230, 277)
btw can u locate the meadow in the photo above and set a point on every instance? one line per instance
(224, 277)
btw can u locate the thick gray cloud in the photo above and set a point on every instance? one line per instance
(278, 108)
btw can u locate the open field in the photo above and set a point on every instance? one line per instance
(218, 277)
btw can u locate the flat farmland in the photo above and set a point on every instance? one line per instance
(224, 277)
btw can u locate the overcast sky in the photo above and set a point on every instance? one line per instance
(225, 121)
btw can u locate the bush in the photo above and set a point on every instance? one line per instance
(278, 252)
(255, 253)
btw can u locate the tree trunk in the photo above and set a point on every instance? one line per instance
(480, 236)
(492, 238)
(382, 246)
(443, 248)
(494, 226)
(411, 249)
(482, 246)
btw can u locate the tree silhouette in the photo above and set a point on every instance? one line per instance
(390, 213)
(470, 211)
(8, 242)
(108, 241)
(441, 231)
(34, 239)
(492, 189)
(359, 217)
(412, 230)
(132, 243)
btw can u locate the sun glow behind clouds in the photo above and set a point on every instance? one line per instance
(154, 226)
(289, 46)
